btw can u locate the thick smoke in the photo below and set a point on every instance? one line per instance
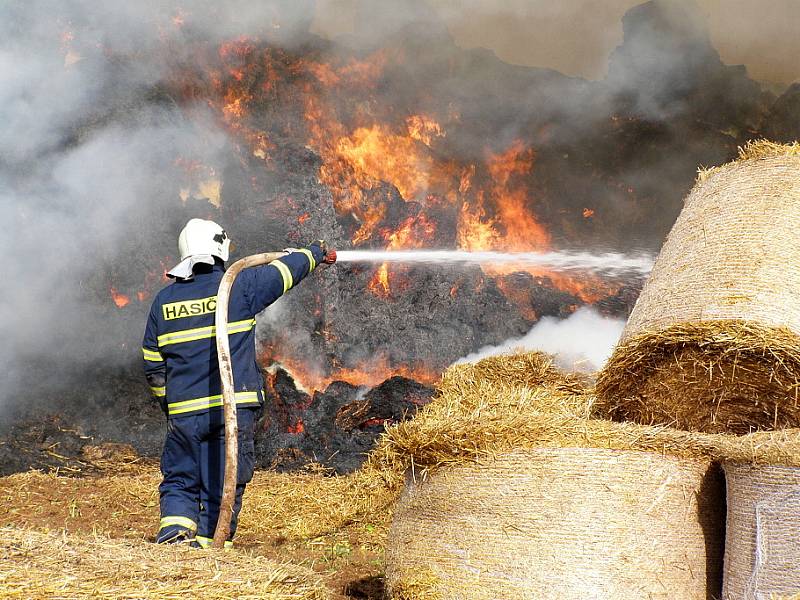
(88, 151)
(575, 37)
(93, 146)
(583, 341)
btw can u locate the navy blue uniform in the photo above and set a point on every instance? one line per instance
(181, 366)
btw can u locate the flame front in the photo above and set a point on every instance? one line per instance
(397, 177)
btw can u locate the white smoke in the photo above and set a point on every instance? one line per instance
(583, 341)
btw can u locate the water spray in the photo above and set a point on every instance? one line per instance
(609, 263)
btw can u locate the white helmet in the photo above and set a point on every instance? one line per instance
(199, 242)
(201, 237)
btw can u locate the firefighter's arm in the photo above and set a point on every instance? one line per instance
(270, 282)
(155, 369)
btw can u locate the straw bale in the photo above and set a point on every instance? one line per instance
(562, 523)
(714, 376)
(767, 448)
(762, 548)
(456, 429)
(40, 565)
(753, 150)
(713, 343)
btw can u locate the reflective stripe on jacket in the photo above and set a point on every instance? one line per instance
(179, 346)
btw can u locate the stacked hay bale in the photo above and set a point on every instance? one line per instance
(518, 488)
(762, 547)
(713, 343)
(513, 492)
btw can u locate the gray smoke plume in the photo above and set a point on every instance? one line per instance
(581, 342)
(91, 148)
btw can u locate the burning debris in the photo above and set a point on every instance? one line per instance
(335, 428)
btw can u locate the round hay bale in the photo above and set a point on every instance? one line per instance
(762, 545)
(713, 343)
(560, 523)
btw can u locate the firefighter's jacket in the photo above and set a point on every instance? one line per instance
(180, 354)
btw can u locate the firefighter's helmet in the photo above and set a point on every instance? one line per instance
(199, 242)
(201, 237)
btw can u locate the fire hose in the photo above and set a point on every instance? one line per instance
(228, 400)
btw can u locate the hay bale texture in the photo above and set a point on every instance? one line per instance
(515, 492)
(762, 547)
(713, 343)
(561, 523)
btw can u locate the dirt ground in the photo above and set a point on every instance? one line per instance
(304, 518)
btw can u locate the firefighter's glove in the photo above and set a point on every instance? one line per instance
(328, 254)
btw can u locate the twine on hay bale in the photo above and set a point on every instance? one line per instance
(562, 523)
(762, 547)
(713, 343)
(42, 565)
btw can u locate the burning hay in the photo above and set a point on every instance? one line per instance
(41, 565)
(563, 523)
(762, 550)
(713, 343)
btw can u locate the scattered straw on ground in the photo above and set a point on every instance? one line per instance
(306, 505)
(417, 585)
(39, 565)
(295, 506)
(734, 376)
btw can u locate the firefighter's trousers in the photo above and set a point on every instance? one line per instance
(193, 466)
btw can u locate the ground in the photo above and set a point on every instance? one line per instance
(308, 519)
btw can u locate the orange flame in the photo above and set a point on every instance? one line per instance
(379, 284)
(298, 427)
(370, 374)
(365, 148)
(413, 232)
(121, 300)
(522, 231)
(424, 129)
(376, 154)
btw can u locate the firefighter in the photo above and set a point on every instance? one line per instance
(180, 363)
